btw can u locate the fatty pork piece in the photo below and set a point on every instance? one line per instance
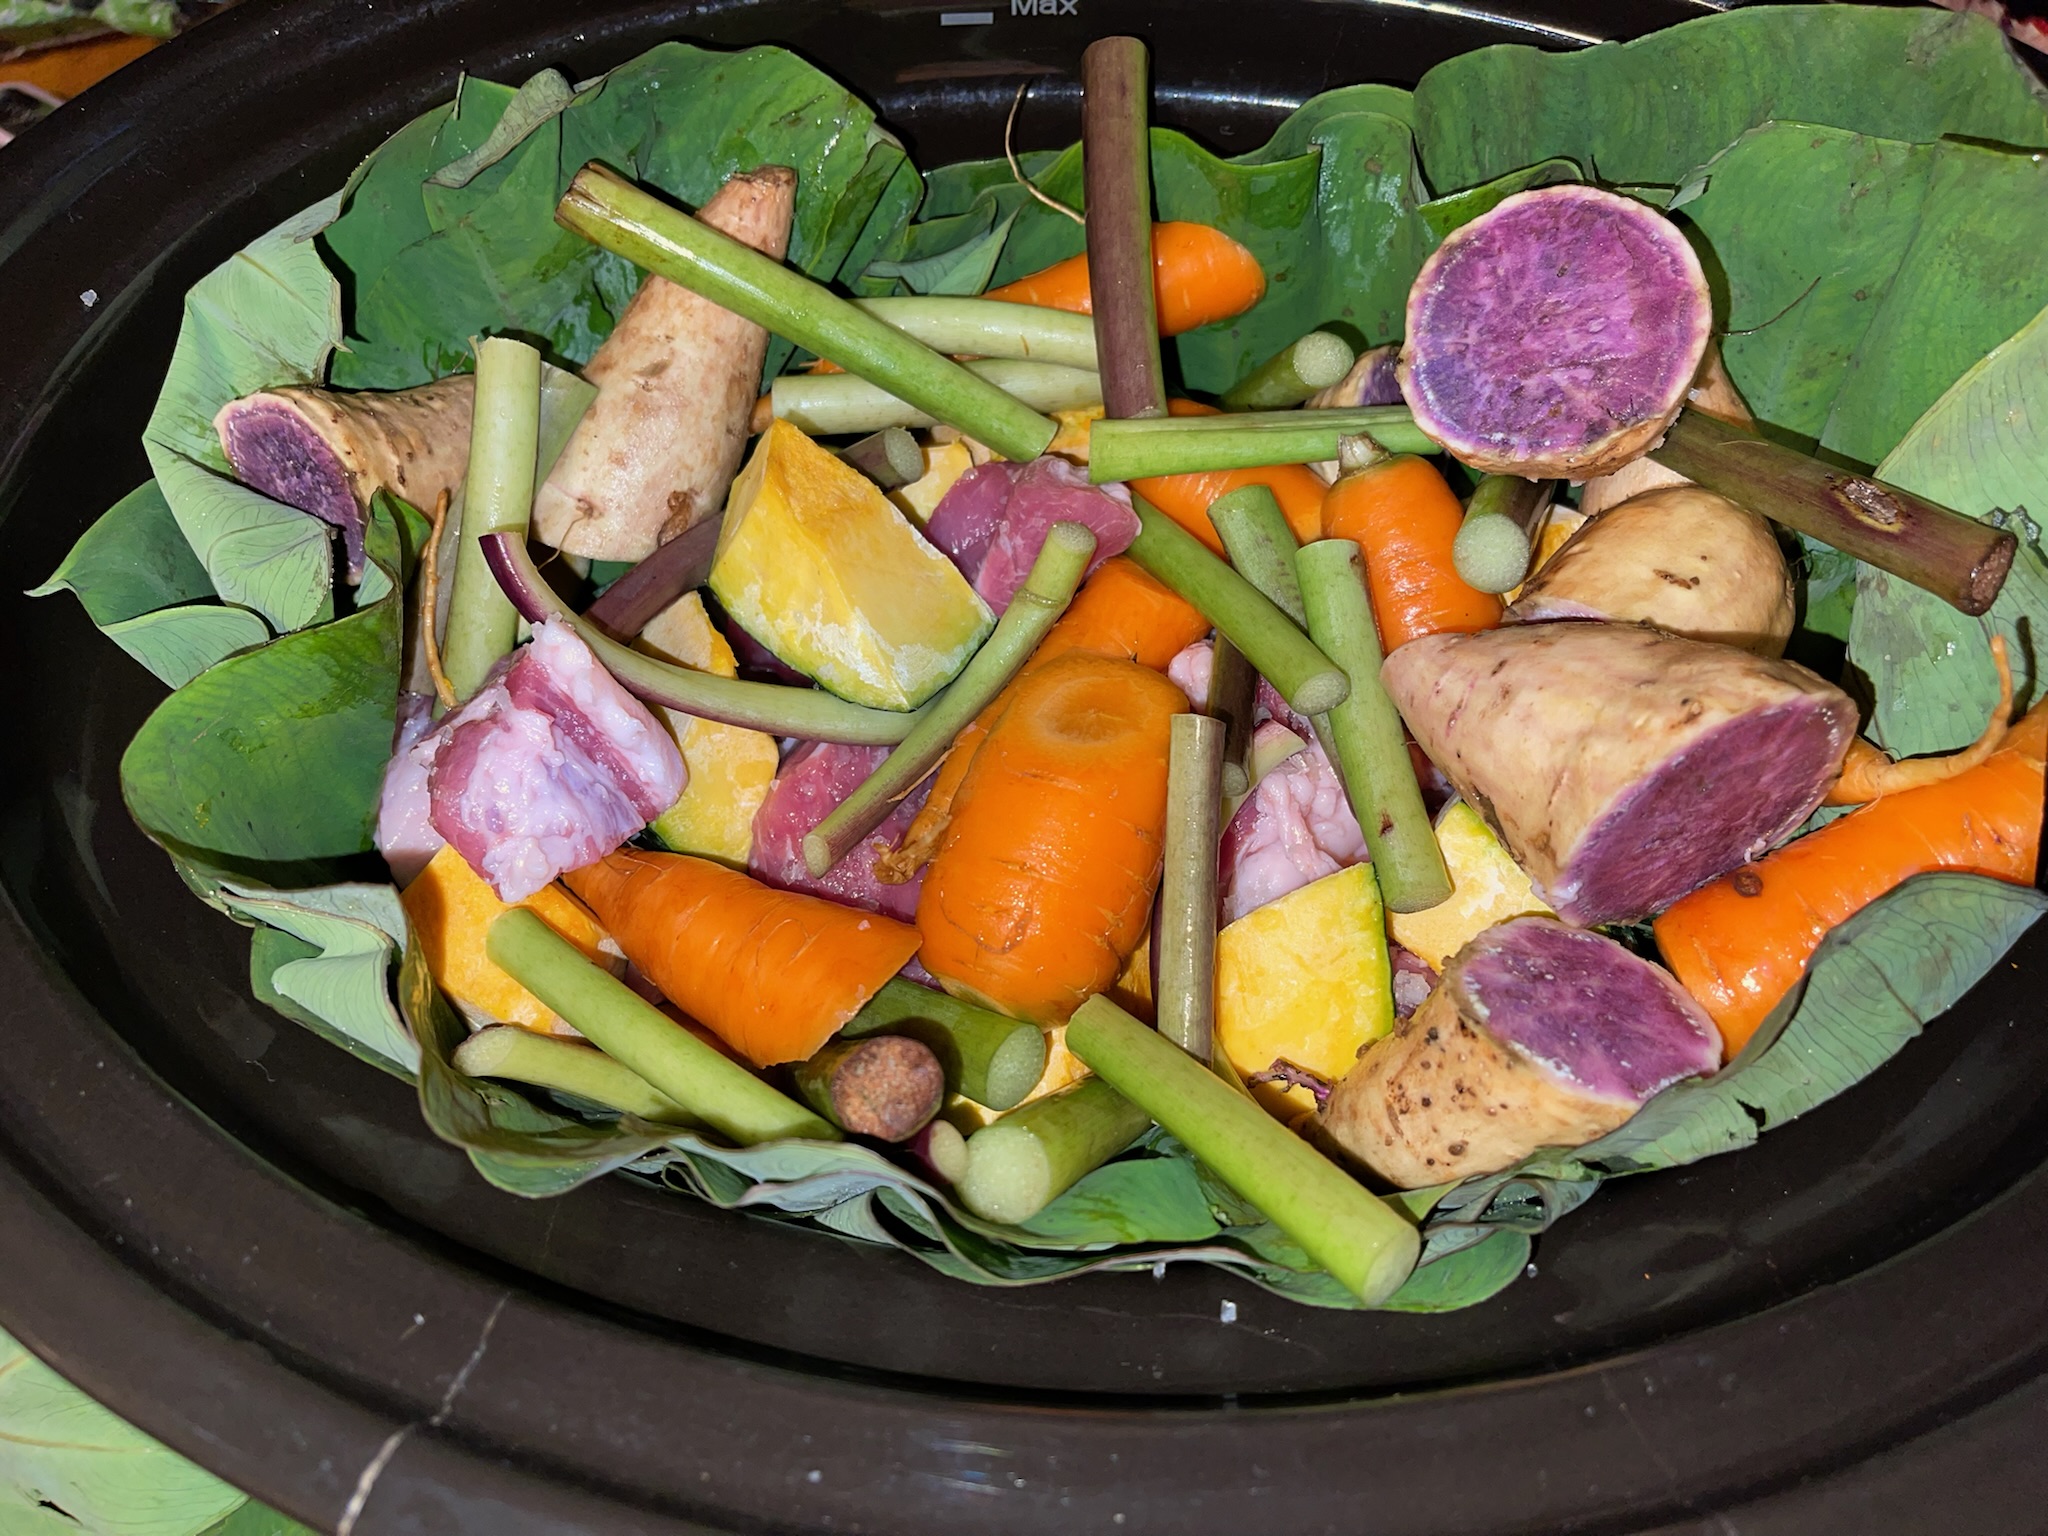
(550, 767)
(1686, 560)
(1295, 827)
(1191, 670)
(813, 780)
(1622, 767)
(328, 453)
(676, 382)
(994, 519)
(1539, 1035)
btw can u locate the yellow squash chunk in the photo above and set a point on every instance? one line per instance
(1305, 979)
(451, 908)
(730, 766)
(1559, 524)
(943, 464)
(1487, 887)
(815, 563)
(1071, 441)
(1132, 991)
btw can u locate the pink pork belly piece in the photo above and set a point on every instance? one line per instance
(994, 520)
(548, 768)
(1294, 827)
(814, 779)
(1191, 669)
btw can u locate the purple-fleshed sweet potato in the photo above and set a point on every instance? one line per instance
(1621, 766)
(1554, 336)
(1688, 561)
(676, 382)
(328, 452)
(994, 520)
(1539, 1035)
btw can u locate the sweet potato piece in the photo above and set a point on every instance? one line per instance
(1539, 1035)
(1622, 767)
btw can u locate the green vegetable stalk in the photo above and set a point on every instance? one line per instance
(990, 328)
(1292, 374)
(1260, 544)
(497, 497)
(1186, 929)
(1019, 1165)
(1175, 445)
(1116, 167)
(1233, 698)
(885, 1086)
(1061, 563)
(518, 1055)
(709, 1086)
(827, 404)
(988, 1057)
(1372, 751)
(1365, 1245)
(1492, 550)
(1306, 678)
(890, 457)
(610, 211)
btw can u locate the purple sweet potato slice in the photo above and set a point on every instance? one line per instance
(1681, 558)
(1555, 336)
(1622, 767)
(1539, 1035)
(328, 453)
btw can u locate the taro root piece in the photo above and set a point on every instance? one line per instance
(328, 453)
(676, 381)
(1688, 561)
(1554, 337)
(1539, 1035)
(1622, 767)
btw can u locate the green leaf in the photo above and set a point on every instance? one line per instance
(178, 644)
(334, 974)
(275, 756)
(259, 553)
(542, 97)
(1445, 214)
(99, 1477)
(963, 270)
(254, 1519)
(1651, 110)
(1133, 1200)
(1465, 1278)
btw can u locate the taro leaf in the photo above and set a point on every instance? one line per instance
(254, 1519)
(539, 99)
(276, 756)
(1134, 1200)
(1445, 214)
(1465, 1277)
(259, 553)
(68, 1465)
(135, 576)
(963, 270)
(679, 118)
(1649, 111)
(337, 980)
(1982, 446)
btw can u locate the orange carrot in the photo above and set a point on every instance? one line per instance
(1121, 612)
(1740, 944)
(1043, 883)
(1404, 519)
(772, 973)
(1199, 276)
(1186, 498)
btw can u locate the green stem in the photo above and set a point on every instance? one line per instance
(987, 1057)
(809, 713)
(1958, 559)
(1019, 1165)
(1492, 550)
(1364, 1245)
(889, 457)
(1372, 751)
(1260, 544)
(712, 1087)
(610, 211)
(1061, 563)
(885, 1086)
(504, 442)
(1292, 374)
(1185, 931)
(829, 404)
(1175, 445)
(520, 1056)
(1306, 678)
(1233, 698)
(990, 328)
(1116, 170)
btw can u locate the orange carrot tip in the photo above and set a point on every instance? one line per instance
(1200, 275)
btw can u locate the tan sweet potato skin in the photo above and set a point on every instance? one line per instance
(1441, 1098)
(676, 381)
(1543, 727)
(1686, 560)
(411, 442)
